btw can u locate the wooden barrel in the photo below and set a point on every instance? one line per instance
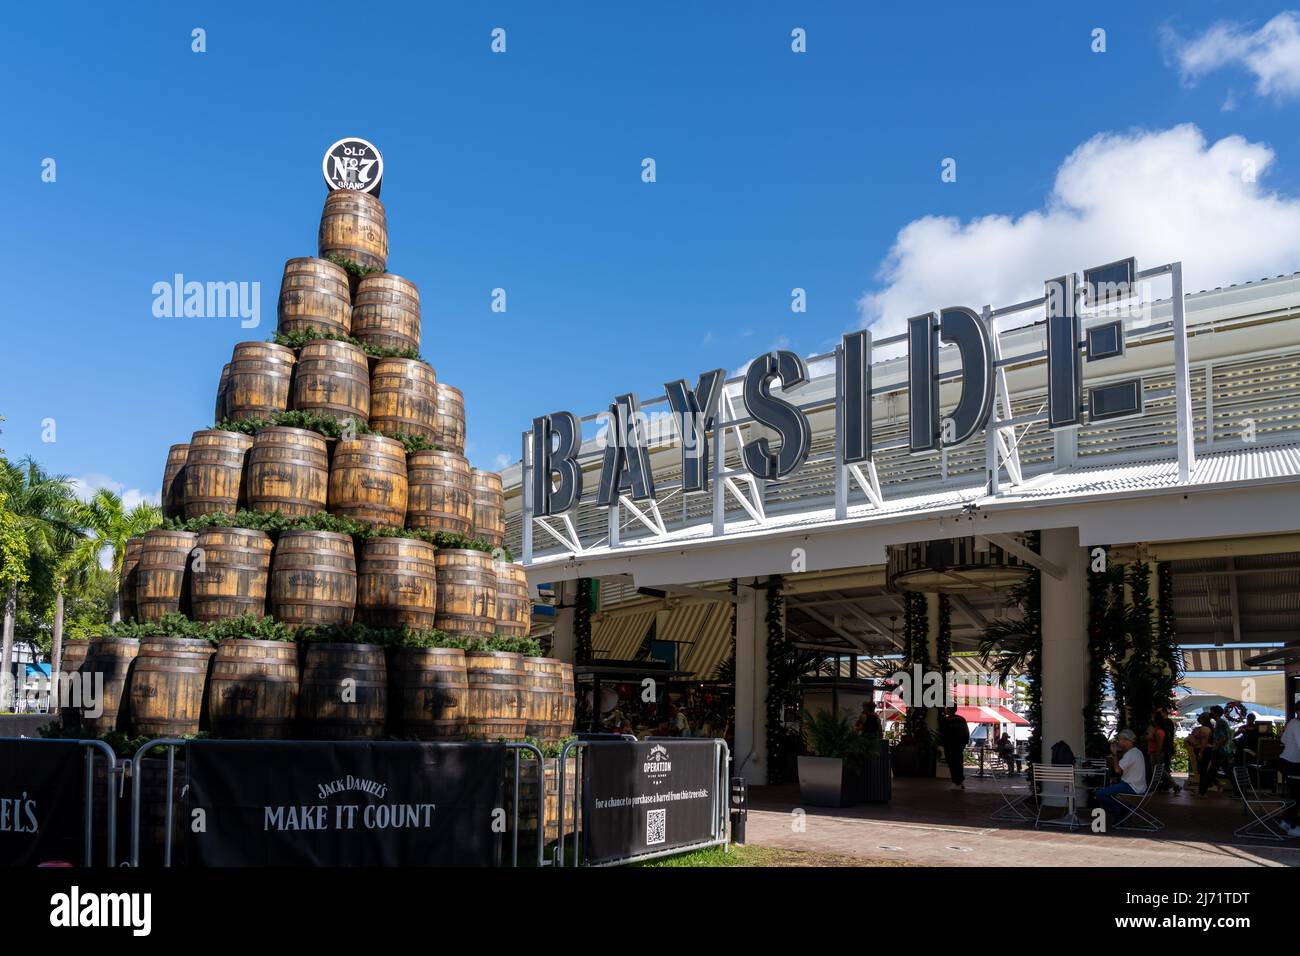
(489, 507)
(167, 686)
(223, 389)
(396, 584)
(313, 578)
(386, 312)
(126, 581)
(467, 592)
(231, 580)
(258, 385)
(314, 294)
(161, 578)
(514, 607)
(353, 225)
(333, 378)
(109, 659)
(495, 702)
(551, 799)
(403, 398)
(323, 712)
(172, 497)
(214, 472)
(368, 480)
(449, 426)
(568, 701)
(253, 690)
(543, 704)
(288, 471)
(73, 655)
(71, 689)
(430, 691)
(441, 494)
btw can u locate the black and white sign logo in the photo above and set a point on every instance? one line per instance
(657, 765)
(353, 163)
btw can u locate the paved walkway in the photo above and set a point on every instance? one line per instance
(929, 824)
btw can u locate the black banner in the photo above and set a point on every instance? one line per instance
(646, 796)
(302, 803)
(42, 802)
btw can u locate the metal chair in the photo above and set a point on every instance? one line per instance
(1061, 777)
(1138, 818)
(1264, 813)
(1015, 803)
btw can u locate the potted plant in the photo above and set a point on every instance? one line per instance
(832, 775)
(916, 756)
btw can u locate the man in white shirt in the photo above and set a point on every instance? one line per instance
(1289, 764)
(1132, 772)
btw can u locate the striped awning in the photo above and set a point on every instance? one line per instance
(1230, 657)
(895, 709)
(618, 636)
(704, 631)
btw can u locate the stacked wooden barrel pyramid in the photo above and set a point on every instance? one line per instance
(268, 689)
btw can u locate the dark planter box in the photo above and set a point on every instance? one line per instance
(828, 782)
(877, 780)
(911, 761)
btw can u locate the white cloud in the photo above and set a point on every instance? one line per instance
(1271, 53)
(85, 488)
(1162, 196)
(779, 343)
(502, 461)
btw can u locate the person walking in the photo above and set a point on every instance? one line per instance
(1221, 749)
(1199, 746)
(955, 735)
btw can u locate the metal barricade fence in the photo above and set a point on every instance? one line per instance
(172, 744)
(720, 799)
(113, 772)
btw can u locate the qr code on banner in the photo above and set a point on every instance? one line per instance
(656, 826)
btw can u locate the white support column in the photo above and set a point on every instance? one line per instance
(749, 757)
(1065, 640)
(1182, 381)
(563, 643)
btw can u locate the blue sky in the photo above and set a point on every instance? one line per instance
(522, 170)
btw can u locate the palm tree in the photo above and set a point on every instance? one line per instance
(44, 511)
(110, 526)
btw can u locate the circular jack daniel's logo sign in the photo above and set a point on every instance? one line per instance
(353, 163)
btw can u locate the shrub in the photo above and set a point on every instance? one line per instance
(250, 627)
(831, 735)
(351, 267)
(324, 425)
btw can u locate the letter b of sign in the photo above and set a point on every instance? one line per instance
(557, 439)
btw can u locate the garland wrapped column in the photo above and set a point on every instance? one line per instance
(582, 622)
(782, 683)
(943, 645)
(1167, 632)
(916, 657)
(1100, 585)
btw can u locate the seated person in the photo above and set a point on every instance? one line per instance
(1132, 772)
(1007, 751)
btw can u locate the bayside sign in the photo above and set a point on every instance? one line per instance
(557, 480)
